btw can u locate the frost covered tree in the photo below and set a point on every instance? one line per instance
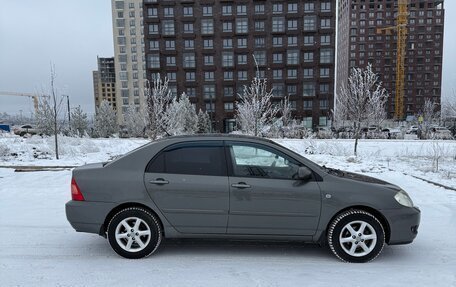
(79, 123)
(431, 116)
(285, 110)
(105, 120)
(181, 118)
(254, 109)
(48, 111)
(158, 98)
(362, 100)
(204, 122)
(135, 121)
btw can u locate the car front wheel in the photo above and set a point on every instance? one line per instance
(134, 233)
(356, 236)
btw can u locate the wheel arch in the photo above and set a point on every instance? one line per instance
(115, 210)
(373, 211)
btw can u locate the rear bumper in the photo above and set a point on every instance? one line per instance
(86, 216)
(404, 223)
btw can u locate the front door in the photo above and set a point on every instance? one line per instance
(189, 184)
(265, 195)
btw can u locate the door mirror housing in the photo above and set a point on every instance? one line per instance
(304, 173)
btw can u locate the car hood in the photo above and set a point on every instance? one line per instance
(362, 178)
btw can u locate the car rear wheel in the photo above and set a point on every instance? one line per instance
(134, 233)
(356, 236)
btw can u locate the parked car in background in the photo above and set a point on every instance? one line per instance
(236, 187)
(412, 130)
(391, 133)
(25, 129)
(441, 133)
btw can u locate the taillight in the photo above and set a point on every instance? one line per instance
(75, 191)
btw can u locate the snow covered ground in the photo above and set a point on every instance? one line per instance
(40, 248)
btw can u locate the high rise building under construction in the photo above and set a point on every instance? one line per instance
(366, 35)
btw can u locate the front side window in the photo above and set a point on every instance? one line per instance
(263, 162)
(192, 159)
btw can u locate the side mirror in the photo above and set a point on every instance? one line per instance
(304, 173)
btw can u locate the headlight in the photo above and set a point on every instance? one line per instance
(403, 199)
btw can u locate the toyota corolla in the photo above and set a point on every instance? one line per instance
(236, 187)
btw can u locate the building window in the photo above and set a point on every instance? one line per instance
(324, 104)
(325, 40)
(209, 76)
(190, 76)
(324, 88)
(307, 105)
(323, 121)
(310, 23)
(207, 26)
(325, 23)
(189, 44)
(242, 75)
(326, 56)
(227, 43)
(168, 12)
(207, 10)
(277, 41)
(260, 57)
(227, 59)
(191, 92)
(188, 11)
(153, 29)
(188, 28)
(171, 76)
(241, 10)
(292, 7)
(170, 45)
(259, 26)
(277, 58)
(227, 26)
(208, 60)
(309, 41)
(227, 10)
(189, 60)
(208, 43)
(307, 121)
(293, 57)
(277, 8)
(292, 25)
(154, 61)
(308, 73)
(308, 57)
(260, 42)
(242, 59)
(308, 90)
(324, 72)
(228, 76)
(152, 12)
(209, 92)
(259, 9)
(278, 24)
(325, 6)
(277, 74)
(242, 25)
(292, 90)
(309, 7)
(278, 89)
(228, 91)
(292, 74)
(170, 61)
(210, 107)
(229, 107)
(242, 42)
(154, 45)
(292, 41)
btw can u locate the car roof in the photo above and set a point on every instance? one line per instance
(215, 136)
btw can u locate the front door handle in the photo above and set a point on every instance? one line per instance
(159, 181)
(240, 185)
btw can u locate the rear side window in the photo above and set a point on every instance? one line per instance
(192, 160)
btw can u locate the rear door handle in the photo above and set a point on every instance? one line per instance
(240, 185)
(159, 181)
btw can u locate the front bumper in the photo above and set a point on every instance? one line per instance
(404, 223)
(86, 216)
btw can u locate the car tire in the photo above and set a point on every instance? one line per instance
(134, 233)
(356, 236)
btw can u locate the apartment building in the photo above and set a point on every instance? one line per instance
(104, 82)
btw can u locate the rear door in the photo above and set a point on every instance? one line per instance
(189, 183)
(266, 197)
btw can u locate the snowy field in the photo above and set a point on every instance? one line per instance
(40, 248)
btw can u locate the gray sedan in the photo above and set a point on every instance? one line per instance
(236, 187)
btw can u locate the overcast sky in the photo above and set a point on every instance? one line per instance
(72, 33)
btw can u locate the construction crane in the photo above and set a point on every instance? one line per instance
(34, 97)
(401, 31)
